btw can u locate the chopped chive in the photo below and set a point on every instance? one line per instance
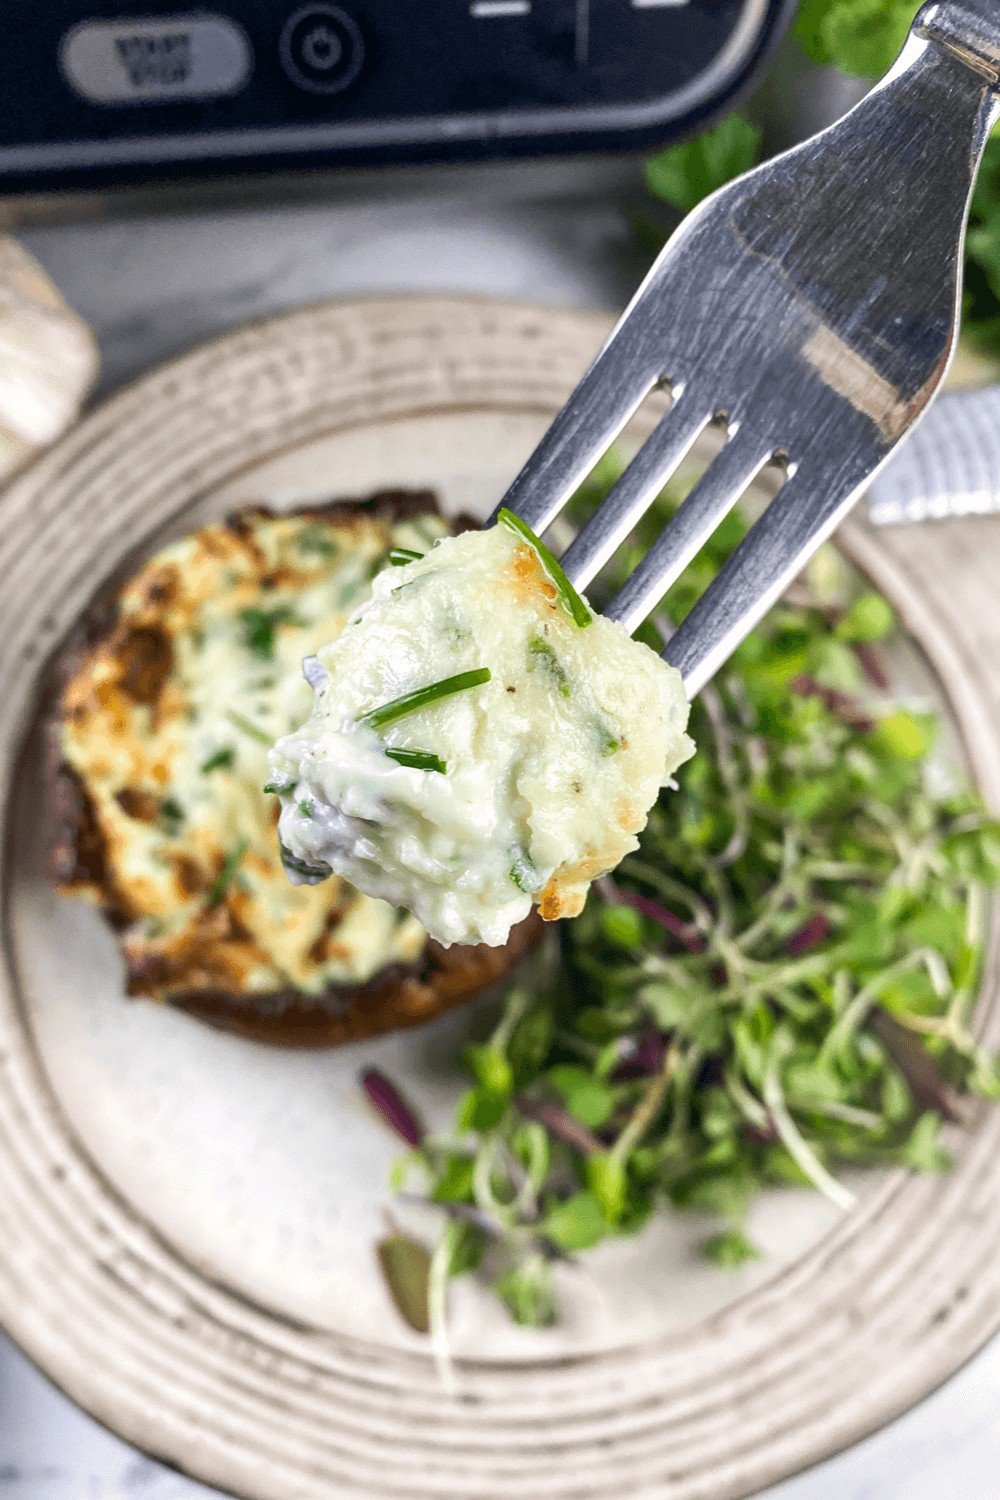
(227, 874)
(171, 814)
(398, 708)
(523, 873)
(609, 744)
(418, 760)
(305, 808)
(296, 866)
(568, 596)
(314, 540)
(400, 556)
(260, 627)
(247, 726)
(541, 654)
(219, 759)
(279, 788)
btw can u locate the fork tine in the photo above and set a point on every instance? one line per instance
(610, 392)
(798, 520)
(638, 487)
(715, 494)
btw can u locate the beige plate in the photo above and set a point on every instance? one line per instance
(186, 1220)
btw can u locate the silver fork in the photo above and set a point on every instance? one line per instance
(812, 306)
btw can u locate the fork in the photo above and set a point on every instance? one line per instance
(811, 308)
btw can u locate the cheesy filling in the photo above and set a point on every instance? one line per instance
(526, 777)
(167, 722)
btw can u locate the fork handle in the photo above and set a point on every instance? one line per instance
(968, 28)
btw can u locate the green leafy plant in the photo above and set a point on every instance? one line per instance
(862, 38)
(684, 174)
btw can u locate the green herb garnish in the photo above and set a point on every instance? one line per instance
(171, 815)
(399, 557)
(523, 872)
(541, 655)
(608, 742)
(684, 174)
(418, 760)
(220, 885)
(279, 788)
(314, 539)
(260, 628)
(311, 872)
(398, 708)
(570, 600)
(248, 727)
(729, 1248)
(306, 808)
(219, 760)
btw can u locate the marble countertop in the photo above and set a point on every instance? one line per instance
(152, 285)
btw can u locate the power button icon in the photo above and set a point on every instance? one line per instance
(322, 49)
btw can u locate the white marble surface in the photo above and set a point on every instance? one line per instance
(151, 286)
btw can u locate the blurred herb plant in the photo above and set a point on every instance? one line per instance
(778, 984)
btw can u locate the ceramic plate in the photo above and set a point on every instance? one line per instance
(187, 1219)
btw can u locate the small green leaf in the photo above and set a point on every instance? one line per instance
(607, 1179)
(587, 1098)
(924, 1151)
(480, 1109)
(860, 37)
(171, 815)
(903, 735)
(454, 1180)
(406, 1268)
(576, 1224)
(686, 173)
(608, 743)
(730, 1249)
(870, 618)
(523, 873)
(316, 540)
(490, 1069)
(528, 1294)
(541, 655)
(260, 627)
(312, 873)
(621, 925)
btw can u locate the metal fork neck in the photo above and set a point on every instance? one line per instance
(969, 29)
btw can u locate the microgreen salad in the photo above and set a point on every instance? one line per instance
(778, 984)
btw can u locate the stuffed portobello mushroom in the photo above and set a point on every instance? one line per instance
(170, 697)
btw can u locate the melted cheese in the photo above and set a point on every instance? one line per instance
(167, 722)
(551, 766)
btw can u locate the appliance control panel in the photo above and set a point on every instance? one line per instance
(98, 92)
